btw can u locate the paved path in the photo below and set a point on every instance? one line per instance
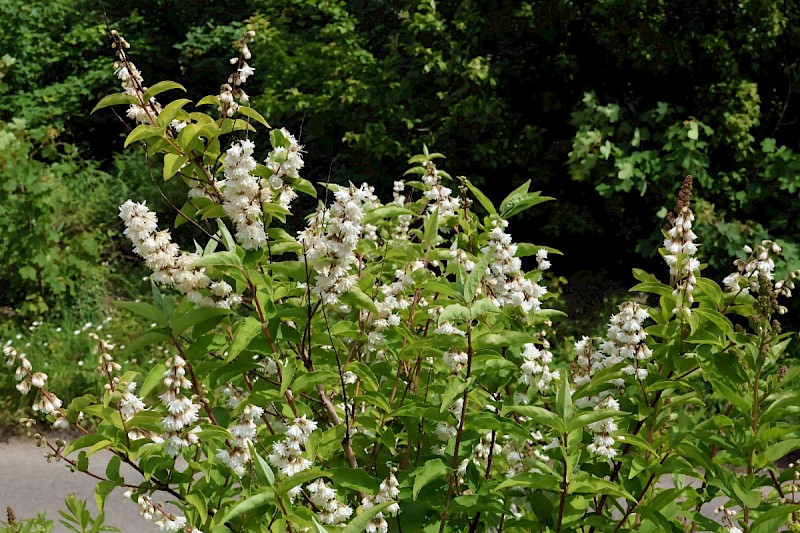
(30, 485)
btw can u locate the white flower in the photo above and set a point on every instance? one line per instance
(242, 195)
(330, 241)
(504, 276)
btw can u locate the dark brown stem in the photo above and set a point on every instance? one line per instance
(453, 478)
(630, 508)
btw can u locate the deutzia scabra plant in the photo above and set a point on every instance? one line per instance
(388, 367)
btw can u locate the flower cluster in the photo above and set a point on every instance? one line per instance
(243, 433)
(242, 195)
(181, 411)
(519, 458)
(49, 403)
(285, 163)
(170, 266)
(759, 261)
(437, 194)
(681, 248)
(588, 361)
(535, 369)
(389, 491)
(444, 327)
(394, 300)
(166, 522)
(603, 441)
(505, 277)
(330, 240)
(487, 447)
(287, 454)
(106, 365)
(455, 360)
(232, 91)
(330, 510)
(625, 340)
(400, 231)
(132, 83)
(129, 403)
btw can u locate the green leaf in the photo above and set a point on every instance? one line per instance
(199, 502)
(185, 321)
(538, 414)
(310, 380)
(359, 523)
(716, 318)
(643, 276)
(483, 307)
(585, 419)
(255, 115)
(781, 449)
(143, 131)
(737, 400)
(652, 287)
(564, 398)
(172, 164)
(455, 389)
(473, 503)
(84, 441)
(148, 338)
(484, 201)
(475, 276)
(101, 492)
(288, 375)
(431, 228)
(532, 481)
(386, 212)
(188, 138)
(300, 478)
(526, 249)
(455, 312)
(277, 139)
(217, 259)
(263, 471)
(170, 111)
(304, 186)
(595, 485)
(248, 329)
(318, 528)
(355, 479)
(247, 504)
(525, 203)
(433, 469)
(771, 520)
(498, 340)
(357, 298)
(365, 374)
(112, 468)
(515, 196)
(154, 378)
(148, 311)
(82, 464)
(161, 87)
(115, 99)
(211, 99)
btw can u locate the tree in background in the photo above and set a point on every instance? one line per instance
(597, 102)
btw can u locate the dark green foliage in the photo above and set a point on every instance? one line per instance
(54, 222)
(623, 97)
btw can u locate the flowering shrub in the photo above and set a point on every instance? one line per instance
(388, 367)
